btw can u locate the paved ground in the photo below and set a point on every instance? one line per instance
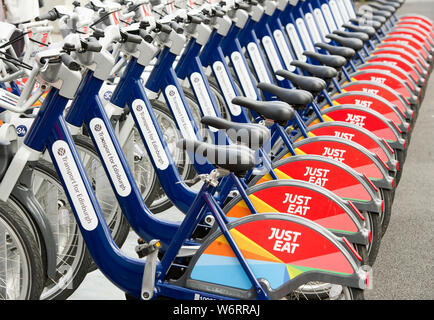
(405, 265)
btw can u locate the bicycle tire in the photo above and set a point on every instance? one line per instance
(80, 263)
(30, 249)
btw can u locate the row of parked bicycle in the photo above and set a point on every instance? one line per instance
(279, 128)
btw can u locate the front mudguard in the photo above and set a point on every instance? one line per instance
(27, 199)
(311, 253)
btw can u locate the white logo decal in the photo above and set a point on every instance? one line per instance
(178, 109)
(75, 185)
(295, 41)
(243, 75)
(111, 158)
(270, 50)
(226, 87)
(202, 96)
(284, 50)
(258, 64)
(150, 133)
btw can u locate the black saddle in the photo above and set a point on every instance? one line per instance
(349, 34)
(234, 158)
(299, 99)
(252, 135)
(366, 22)
(277, 111)
(329, 60)
(370, 31)
(345, 52)
(352, 43)
(323, 72)
(312, 84)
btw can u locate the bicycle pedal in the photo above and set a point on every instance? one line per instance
(146, 249)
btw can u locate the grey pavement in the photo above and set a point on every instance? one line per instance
(405, 265)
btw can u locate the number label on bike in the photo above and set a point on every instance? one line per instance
(110, 156)
(75, 185)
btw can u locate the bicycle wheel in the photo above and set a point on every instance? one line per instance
(73, 259)
(21, 269)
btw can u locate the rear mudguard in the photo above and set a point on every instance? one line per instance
(283, 253)
(332, 175)
(373, 102)
(413, 34)
(405, 48)
(411, 60)
(383, 91)
(395, 72)
(368, 119)
(417, 24)
(348, 152)
(397, 61)
(417, 17)
(407, 40)
(358, 135)
(304, 199)
(367, 73)
(417, 29)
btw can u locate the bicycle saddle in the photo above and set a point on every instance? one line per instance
(235, 158)
(382, 7)
(370, 31)
(250, 134)
(333, 61)
(299, 99)
(348, 34)
(364, 16)
(324, 72)
(365, 22)
(312, 84)
(352, 43)
(277, 111)
(345, 52)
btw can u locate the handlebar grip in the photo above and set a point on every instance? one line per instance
(69, 62)
(128, 37)
(146, 36)
(175, 26)
(164, 28)
(91, 45)
(218, 13)
(51, 15)
(195, 19)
